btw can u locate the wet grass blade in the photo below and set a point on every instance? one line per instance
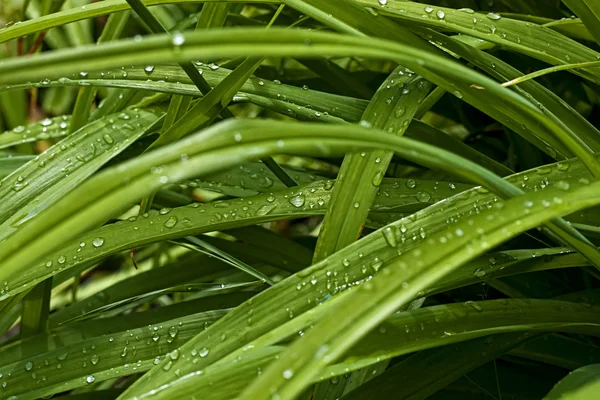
(589, 12)
(444, 365)
(524, 37)
(201, 151)
(305, 366)
(391, 110)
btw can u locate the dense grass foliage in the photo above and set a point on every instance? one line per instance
(299, 199)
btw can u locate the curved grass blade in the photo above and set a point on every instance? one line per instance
(234, 262)
(83, 104)
(439, 70)
(589, 12)
(570, 140)
(581, 384)
(185, 270)
(391, 109)
(358, 261)
(403, 333)
(41, 182)
(100, 358)
(217, 142)
(215, 100)
(523, 37)
(550, 70)
(403, 284)
(220, 215)
(92, 10)
(46, 129)
(348, 108)
(541, 97)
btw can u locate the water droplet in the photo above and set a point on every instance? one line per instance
(28, 366)
(149, 69)
(493, 16)
(288, 373)
(108, 139)
(428, 10)
(178, 39)
(356, 205)
(411, 184)
(377, 178)
(95, 359)
(474, 305)
(423, 196)
(172, 331)
(440, 14)
(479, 273)
(90, 379)
(98, 242)
(171, 222)
(467, 10)
(389, 236)
(62, 259)
(203, 352)
(297, 201)
(399, 112)
(562, 185)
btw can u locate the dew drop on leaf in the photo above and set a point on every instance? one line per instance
(389, 236)
(171, 222)
(288, 373)
(297, 201)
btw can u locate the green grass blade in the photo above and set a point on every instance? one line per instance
(523, 37)
(213, 15)
(46, 129)
(391, 109)
(583, 383)
(402, 334)
(100, 358)
(439, 70)
(589, 12)
(114, 196)
(35, 186)
(443, 365)
(81, 112)
(357, 265)
(211, 105)
(339, 336)
(9, 164)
